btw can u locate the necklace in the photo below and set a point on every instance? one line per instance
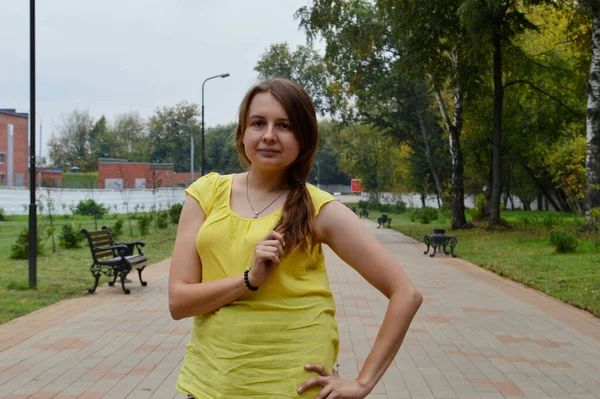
(256, 213)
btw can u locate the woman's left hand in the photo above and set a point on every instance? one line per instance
(333, 386)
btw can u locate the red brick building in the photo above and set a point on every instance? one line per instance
(116, 173)
(20, 167)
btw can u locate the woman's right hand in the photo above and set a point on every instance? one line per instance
(267, 256)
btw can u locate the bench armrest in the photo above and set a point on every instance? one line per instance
(111, 247)
(140, 243)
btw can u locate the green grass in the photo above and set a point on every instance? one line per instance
(523, 254)
(64, 274)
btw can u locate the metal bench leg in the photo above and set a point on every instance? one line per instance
(125, 290)
(452, 251)
(96, 280)
(144, 283)
(434, 251)
(112, 283)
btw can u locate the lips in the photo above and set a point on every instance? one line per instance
(269, 151)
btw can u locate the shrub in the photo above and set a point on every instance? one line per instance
(387, 208)
(478, 213)
(175, 212)
(425, 215)
(69, 238)
(563, 241)
(20, 249)
(400, 207)
(117, 229)
(162, 220)
(552, 220)
(2, 216)
(90, 207)
(363, 204)
(144, 223)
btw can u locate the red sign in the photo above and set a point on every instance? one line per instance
(356, 187)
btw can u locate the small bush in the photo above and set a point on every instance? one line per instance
(552, 220)
(2, 216)
(400, 207)
(70, 238)
(117, 229)
(90, 207)
(20, 249)
(363, 204)
(144, 223)
(478, 213)
(563, 241)
(175, 212)
(425, 215)
(387, 208)
(162, 220)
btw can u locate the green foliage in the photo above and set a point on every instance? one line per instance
(552, 220)
(2, 217)
(563, 241)
(17, 285)
(20, 249)
(69, 237)
(90, 207)
(478, 213)
(144, 223)
(162, 220)
(80, 180)
(400, 207)
(425, 215)
(117, 229)
(175, 212)
(387, 208)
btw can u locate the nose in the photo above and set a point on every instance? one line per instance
(270, 133)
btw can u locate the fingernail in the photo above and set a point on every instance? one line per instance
(306, 366)
(300, 389)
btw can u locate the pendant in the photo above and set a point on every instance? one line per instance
(255, 215)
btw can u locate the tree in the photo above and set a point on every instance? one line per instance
(368, 154)
(221, 155)
(326, 169)
(495, 23)
(169, 134)
(304, 66)
(131, 133)
(437, 43)
(592, 160)
(72, 147)
(366, 62)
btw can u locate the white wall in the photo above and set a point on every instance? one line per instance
(15, 201)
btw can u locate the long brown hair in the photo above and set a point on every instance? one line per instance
(297, 221)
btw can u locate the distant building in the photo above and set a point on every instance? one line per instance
(14, 150)
(119, 173)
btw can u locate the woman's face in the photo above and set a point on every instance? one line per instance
(268, 140)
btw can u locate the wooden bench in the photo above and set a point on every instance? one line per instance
(114, 259)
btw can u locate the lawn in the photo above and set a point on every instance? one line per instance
(523, 254)
(66, 273)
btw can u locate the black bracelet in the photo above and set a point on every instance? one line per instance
(247, 281)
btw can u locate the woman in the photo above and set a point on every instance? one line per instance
(248, 266)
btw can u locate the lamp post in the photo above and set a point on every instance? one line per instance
(223, 75)
(190, 131)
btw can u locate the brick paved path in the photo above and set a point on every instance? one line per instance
(476, 336)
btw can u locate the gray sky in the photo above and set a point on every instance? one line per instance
(116, 56)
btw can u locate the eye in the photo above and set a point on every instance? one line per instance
(257, 123)
(286, 126)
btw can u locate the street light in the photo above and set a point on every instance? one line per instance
(191, 150)
(223, 75)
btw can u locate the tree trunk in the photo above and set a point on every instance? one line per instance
(497, 134)
(429, 157)
(459, 219)
(540, 188)
(592, 159)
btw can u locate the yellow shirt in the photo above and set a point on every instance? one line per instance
(257, 346)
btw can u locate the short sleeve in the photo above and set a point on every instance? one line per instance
(319, 197)
(203, 190)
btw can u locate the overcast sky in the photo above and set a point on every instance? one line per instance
(116, 56)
